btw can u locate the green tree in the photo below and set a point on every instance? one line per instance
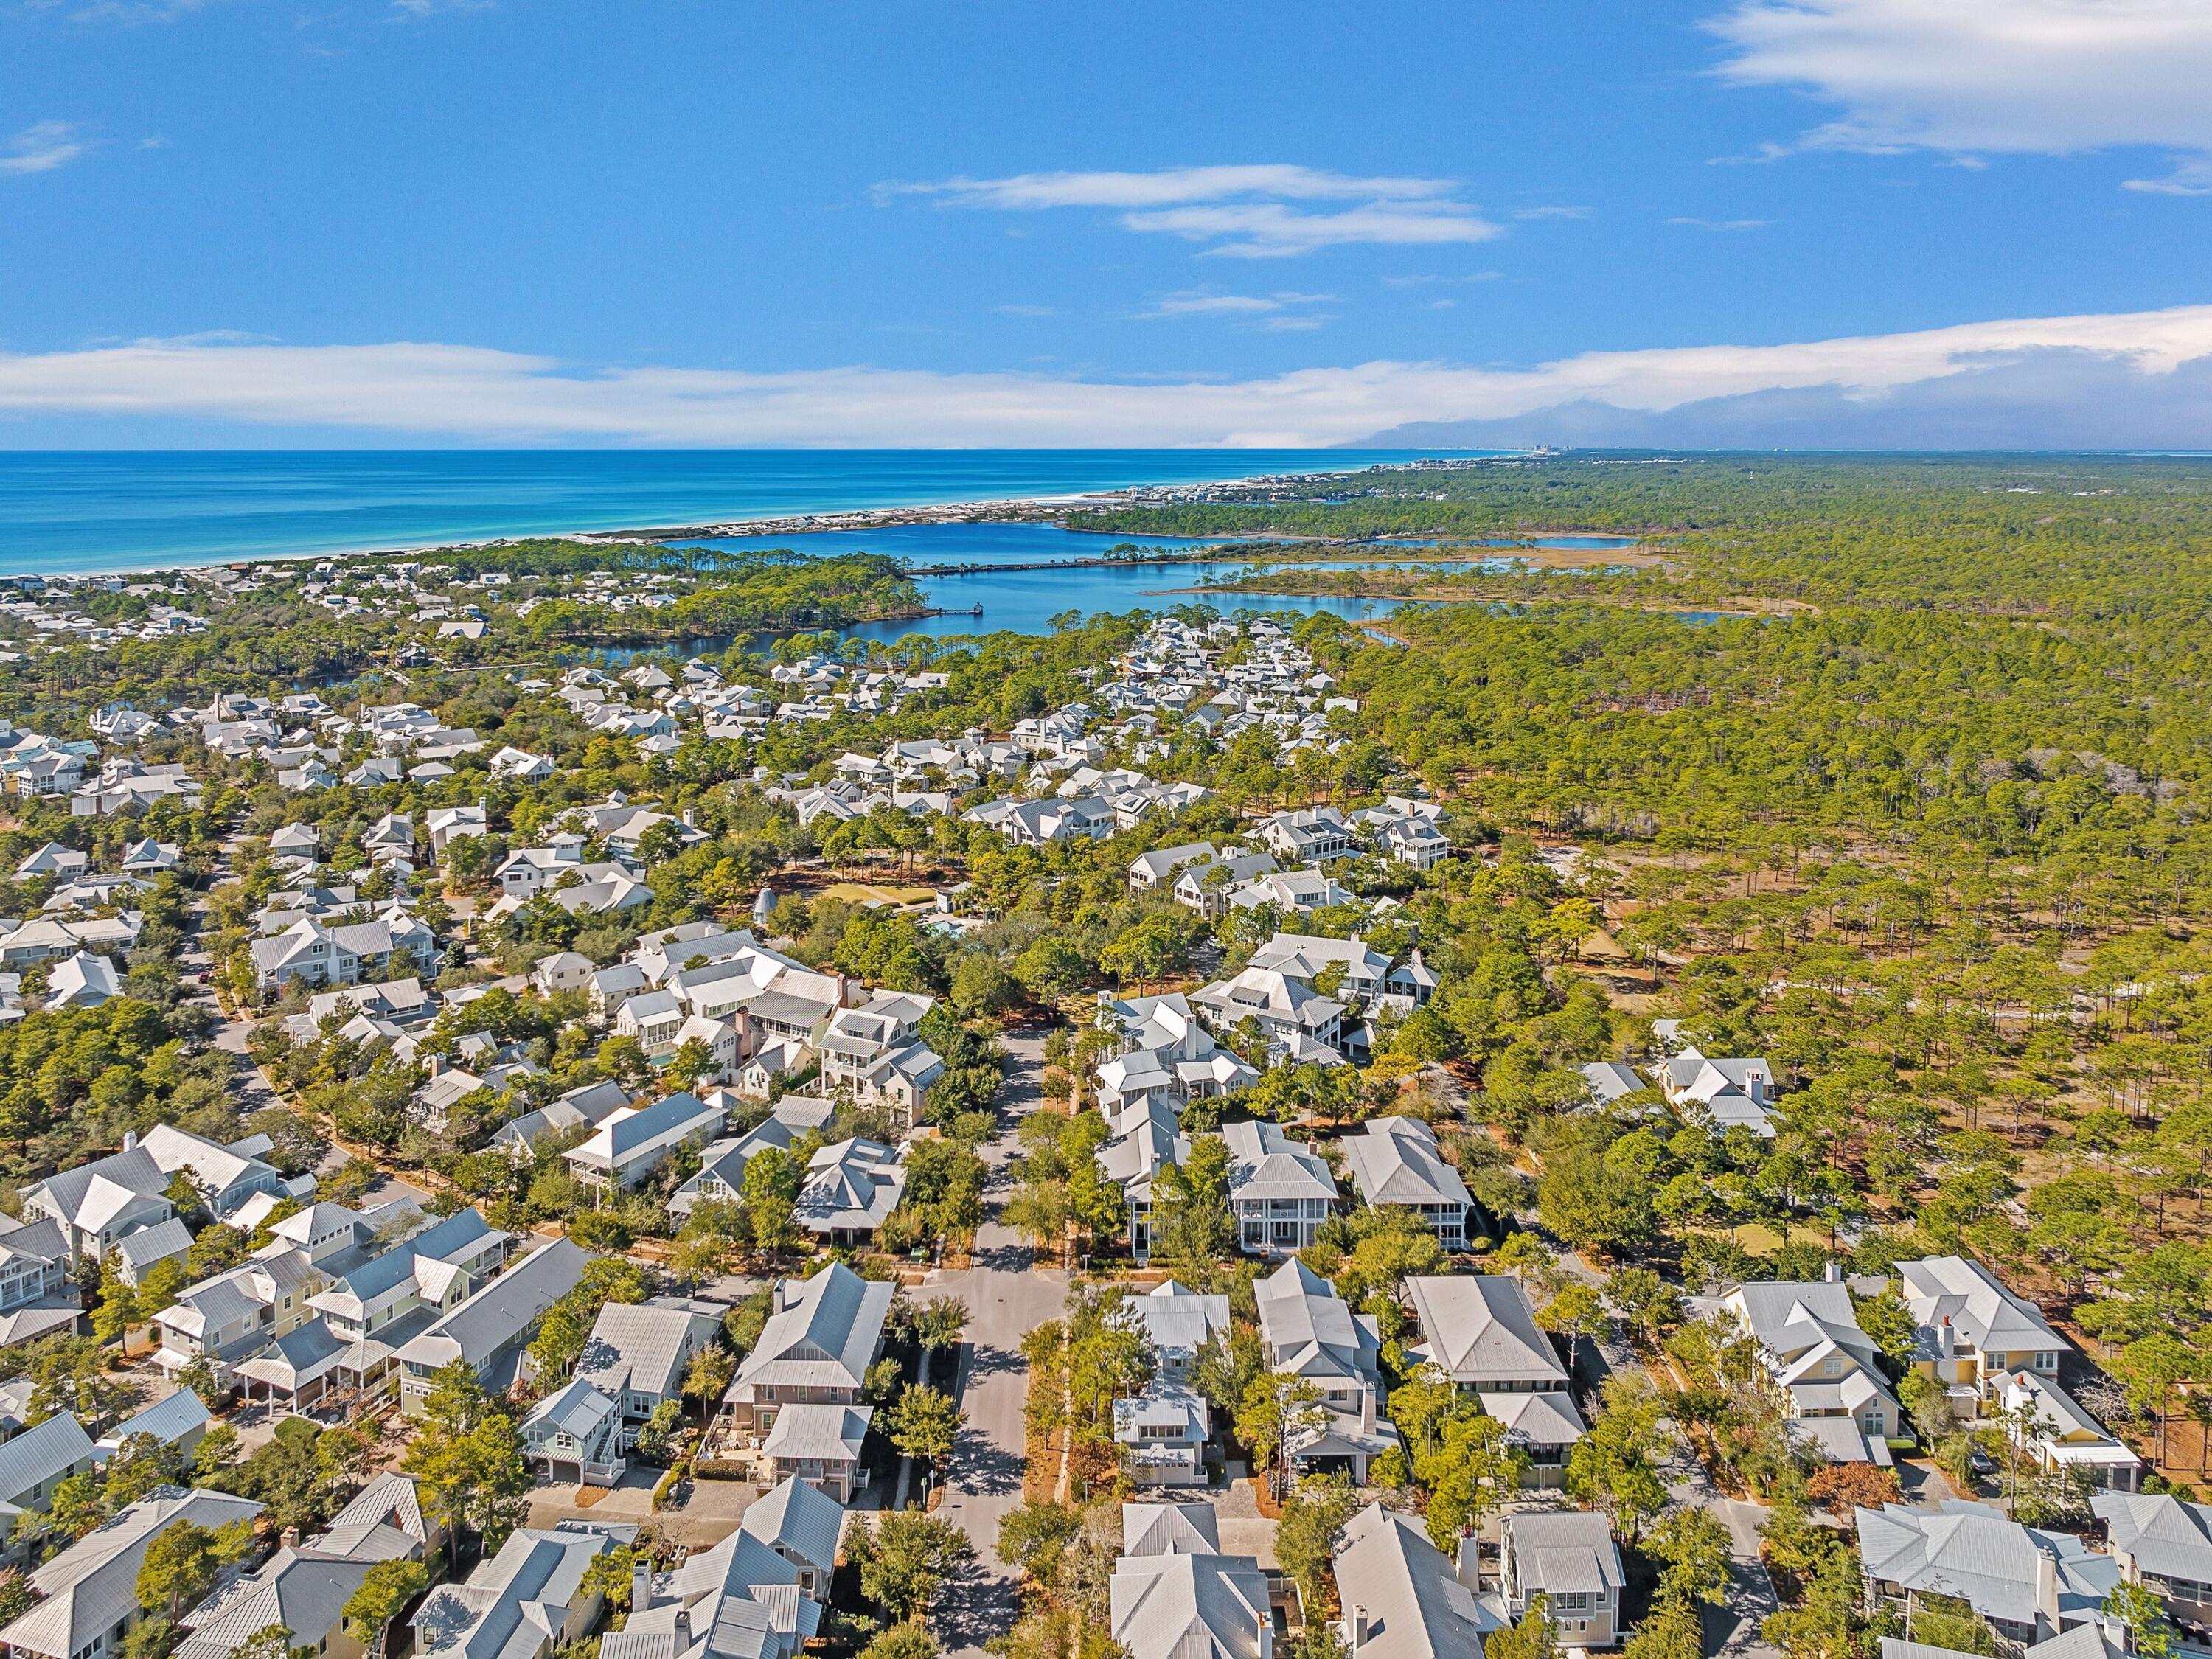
(1277, 1408)
(1615, 1467)
(901, 1641)
(1471, 1471)
(772, 1197)
(924, 1424)
(1535, 1637)
(1305, 1536)
(386, 1591)
(118, 1303)
(2150, 1632)
(1193, 1226)
(904, 1558)
(1033, 1537)
(1672, 1630)
(179, 1570)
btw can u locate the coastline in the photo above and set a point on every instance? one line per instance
(1041, 507)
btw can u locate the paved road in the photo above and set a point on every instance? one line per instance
(1006, 1296)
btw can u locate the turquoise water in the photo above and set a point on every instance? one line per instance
(63, 511)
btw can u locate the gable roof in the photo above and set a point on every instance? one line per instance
(798, 1520)
(641, 1348)
(500, 1313)
(1415, 1605)
(825, 1334)
(54, 1447)
(1190, 1607)
(92, 1586)
(1480, 1330)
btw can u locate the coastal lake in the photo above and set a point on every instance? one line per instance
(1022, 600)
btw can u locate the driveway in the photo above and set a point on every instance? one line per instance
(1007, 1295)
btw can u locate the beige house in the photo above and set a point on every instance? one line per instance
(815, 1350)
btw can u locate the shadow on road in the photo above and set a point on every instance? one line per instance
(983, 1469)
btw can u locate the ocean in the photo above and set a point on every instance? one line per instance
(82, 511)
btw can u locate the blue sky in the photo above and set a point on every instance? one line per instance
(695, 221)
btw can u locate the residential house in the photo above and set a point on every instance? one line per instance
(801, 1523)
(1190, 1606)
(38, 1459)
(586, 1107)
(2047, 1423)
(1309, 835)
(1165, 1056)
(849, 1187)
(1280, 1189)
(820, 1445)
(1569, 1558)
(722, 1165)
(1970, 1331)
(97, 1203)
(873, 1051)
(1162, 1431)
(1204, 884)
(1728, 1094)
(563, 971)
(1398, 1596)
(1478, 1329)
(524, 1603)
(630, 1142)
(1301, 1026)
(303, 1590)
(2029, 1584)
(2160, 1542)
(490, 1329)
(637, 1356)
(576, 1431)
(815, 1349)
(1150, 871)
(1308, 1331)
(88, 1594)
(1819, 1363)
(1177, 1323)
(1394, 1162)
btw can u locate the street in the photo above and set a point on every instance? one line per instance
(1006, 1296)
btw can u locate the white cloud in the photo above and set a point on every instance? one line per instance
(1990, 76)
(41, 148)
(1200, 303)
(1244, 210)
(1025, 310)
(1723, 224)
(472, 394)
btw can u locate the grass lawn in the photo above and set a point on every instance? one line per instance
(854, 892)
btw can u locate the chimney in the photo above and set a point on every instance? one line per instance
(1832, 1271)
(1356, 1627)
(437, 1065)
(129, 1140)
(289, 1538)
(641, 1584)
(1943, 1337)
(1367, 1410)
(2046, 1584)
